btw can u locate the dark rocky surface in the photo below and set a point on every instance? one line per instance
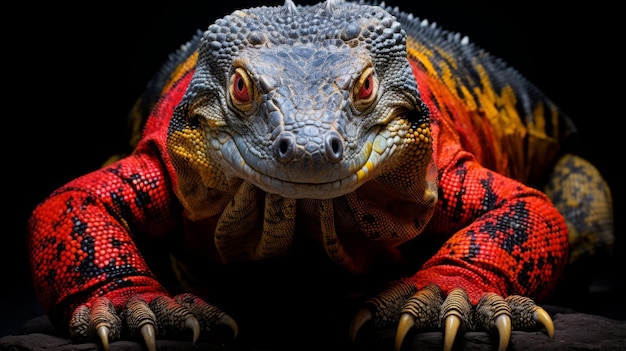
(573, 331)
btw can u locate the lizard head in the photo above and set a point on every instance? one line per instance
(303, 101)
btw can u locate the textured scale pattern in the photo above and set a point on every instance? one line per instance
(420, 166)
(91, 237)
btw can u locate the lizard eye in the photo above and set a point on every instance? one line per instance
(365, 89)
(241, 89)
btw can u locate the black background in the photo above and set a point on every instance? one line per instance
(72, 74)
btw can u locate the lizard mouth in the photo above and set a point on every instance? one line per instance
(307, 177)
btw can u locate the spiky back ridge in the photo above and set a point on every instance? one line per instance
(517, 124)
(464, 57)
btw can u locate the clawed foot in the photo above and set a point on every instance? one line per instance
(430, 309)
(163, 316)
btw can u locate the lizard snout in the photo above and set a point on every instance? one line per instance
(309, 143)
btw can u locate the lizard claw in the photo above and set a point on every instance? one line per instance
(163, 316)
(406, 323)
(503, 324)
(455, 312)
(227, 321)
(362, 316)
(421, 311)
(430, 309)
(383, 309)
(542, 317)
(526, 314)
(140, 319)
(148, 333)
(103, 333)
(452, 324)
(100, 320)
(192, 324)
(208, 316)
(494, 313)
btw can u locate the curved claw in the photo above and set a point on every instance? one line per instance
(193, 324)
(229, 322)
(407, 321)
(384, 308)
(455, 312)
(362, 316)
(493, 314)
(527, 314)
(452, 324)
(542, 317)
(149, 336)
(205, 315)
(103, 333)
(106, 323)
(503, 325)
(420, 311)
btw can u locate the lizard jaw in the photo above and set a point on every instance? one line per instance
(313, 180)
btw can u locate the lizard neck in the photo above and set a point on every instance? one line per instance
(354, 230)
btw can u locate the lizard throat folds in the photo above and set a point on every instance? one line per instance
(307, 177)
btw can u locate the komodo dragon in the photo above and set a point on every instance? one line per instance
(297, 160)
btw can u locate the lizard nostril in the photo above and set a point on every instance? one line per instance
(333, 144)
(285, 147)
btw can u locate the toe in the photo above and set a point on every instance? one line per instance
(525, 314)
(421, 311)
(493, 314)
(455, 312)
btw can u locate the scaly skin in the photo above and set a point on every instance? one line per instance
(367, 135)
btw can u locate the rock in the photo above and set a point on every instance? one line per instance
(573, 331)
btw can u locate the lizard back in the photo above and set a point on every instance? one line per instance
(488, 102)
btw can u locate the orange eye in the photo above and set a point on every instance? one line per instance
(243, 93)
(240, 88)
(367, 88)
